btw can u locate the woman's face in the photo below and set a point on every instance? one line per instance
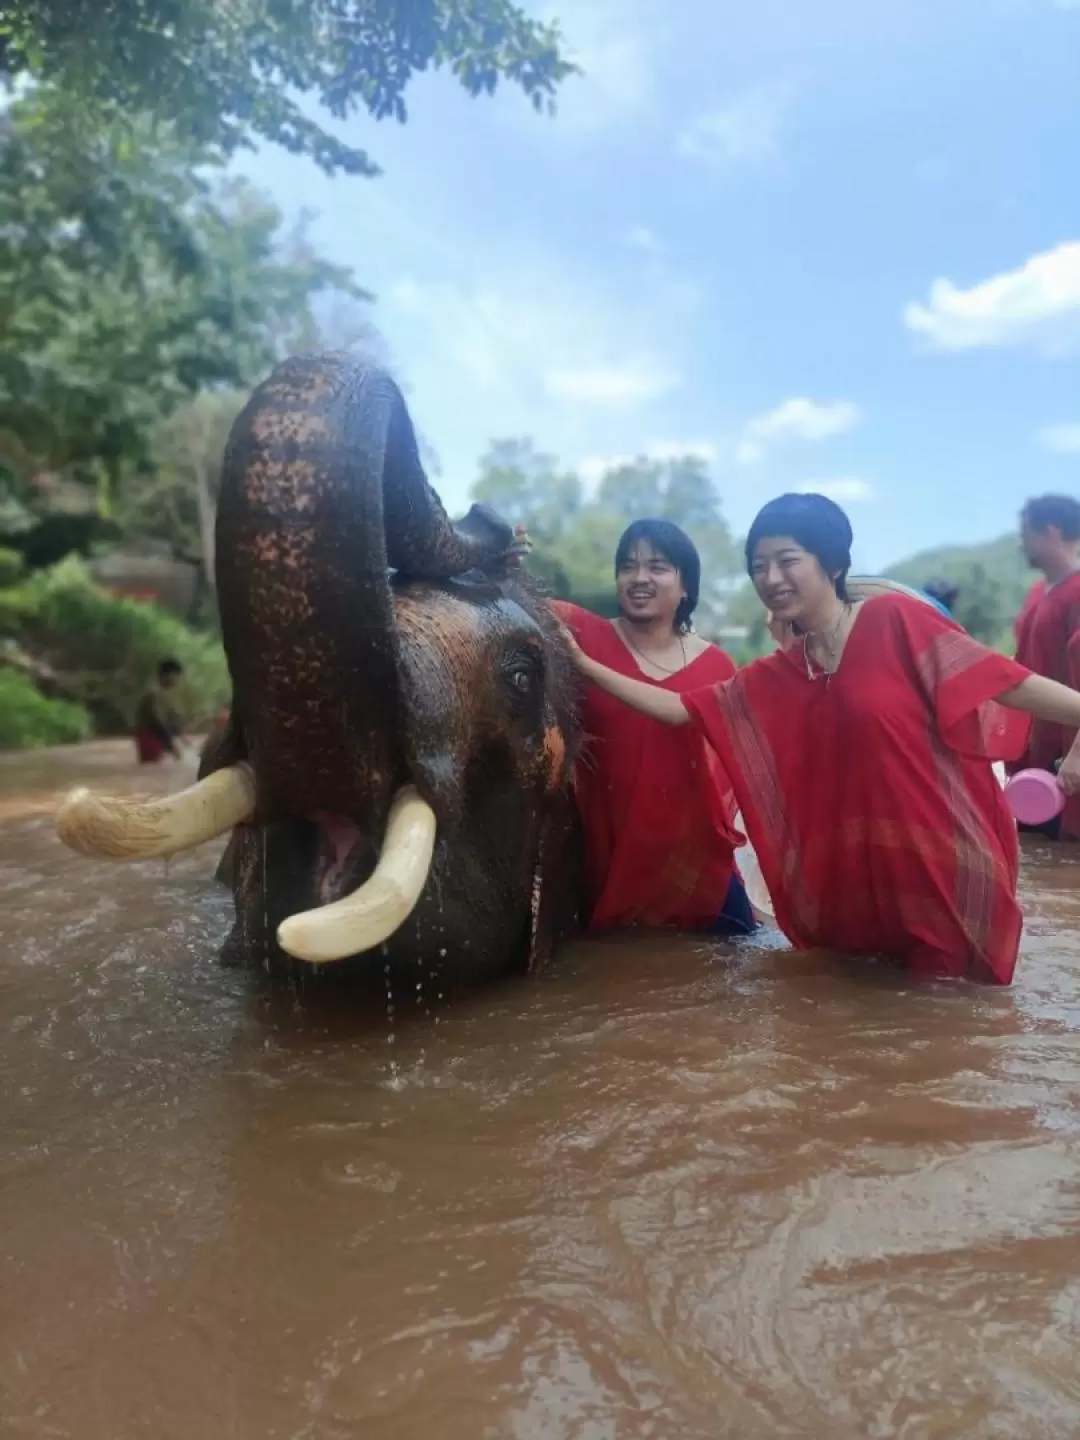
(648, 586)
(789, 580)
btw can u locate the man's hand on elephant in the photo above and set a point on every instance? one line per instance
(578, 655)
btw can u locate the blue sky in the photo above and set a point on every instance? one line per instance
(829, 244)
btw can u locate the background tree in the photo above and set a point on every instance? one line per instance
(143, 290)
(228, 73)
(175, 499)
(105, 331)
(744, 618)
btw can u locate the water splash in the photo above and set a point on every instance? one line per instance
(390, 1033)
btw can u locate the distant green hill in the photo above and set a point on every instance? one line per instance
(993, 579)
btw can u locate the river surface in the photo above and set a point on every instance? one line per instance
(671, 1190)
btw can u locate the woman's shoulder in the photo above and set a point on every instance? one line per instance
(900, 623)
(890, 605)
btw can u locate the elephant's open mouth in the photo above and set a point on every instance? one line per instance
(359, 920)
(340, 855)
(370, 914)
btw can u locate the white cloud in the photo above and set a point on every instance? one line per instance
(1035, 305)
(529, 351)
(504, 341)
(631, 382)
(743, 131)
(847, 488)
(1062, 439)
(594, 467)
(640, 237)
(796, 419)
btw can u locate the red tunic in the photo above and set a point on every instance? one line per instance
(656, 808)
(1048, 642)
(877, 820)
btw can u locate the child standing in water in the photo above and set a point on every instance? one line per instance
(157, 723)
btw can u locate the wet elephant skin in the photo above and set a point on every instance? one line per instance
(373, 644)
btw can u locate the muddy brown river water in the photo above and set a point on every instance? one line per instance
(669, 1190)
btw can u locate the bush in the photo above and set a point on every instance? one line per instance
(12, 567)
(28, 720)
(105, 649)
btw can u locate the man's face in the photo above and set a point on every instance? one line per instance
(169, 680)
(1038, 545)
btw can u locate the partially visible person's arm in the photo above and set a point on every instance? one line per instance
(1047, 700)
(662, 705)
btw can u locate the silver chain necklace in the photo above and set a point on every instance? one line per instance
(654, 663)
(829, 647)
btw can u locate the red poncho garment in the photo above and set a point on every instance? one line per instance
(869, 795)
(656, 807)
(1048, 642)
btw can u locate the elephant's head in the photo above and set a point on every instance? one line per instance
(397, 757)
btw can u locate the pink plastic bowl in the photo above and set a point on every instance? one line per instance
(1035, 796)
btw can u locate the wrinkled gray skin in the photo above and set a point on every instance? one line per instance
(372, 644)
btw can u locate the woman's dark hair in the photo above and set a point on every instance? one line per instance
(675, 546)
(819, 526)
(169, 667)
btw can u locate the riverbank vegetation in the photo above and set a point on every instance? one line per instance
(145, 287)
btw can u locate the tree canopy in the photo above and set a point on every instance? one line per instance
(229, 73)
(129, 282)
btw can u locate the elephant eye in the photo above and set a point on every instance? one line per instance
(522, 672)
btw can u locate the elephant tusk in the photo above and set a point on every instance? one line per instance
(128, 828)
(372, 913)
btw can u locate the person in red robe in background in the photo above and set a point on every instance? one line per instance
(861, 758)
(1048, 631)
(157, 723)
(657, 810)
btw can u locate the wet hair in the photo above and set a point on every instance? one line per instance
(674, 545)
(819, 526)
(944, 591)
(1060, 511)
(169, 667)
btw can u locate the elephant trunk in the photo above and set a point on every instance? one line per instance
(322, 495)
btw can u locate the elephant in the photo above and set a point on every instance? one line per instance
(396, 765)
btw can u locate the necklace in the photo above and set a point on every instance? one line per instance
(648, 659)
(828, 648)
